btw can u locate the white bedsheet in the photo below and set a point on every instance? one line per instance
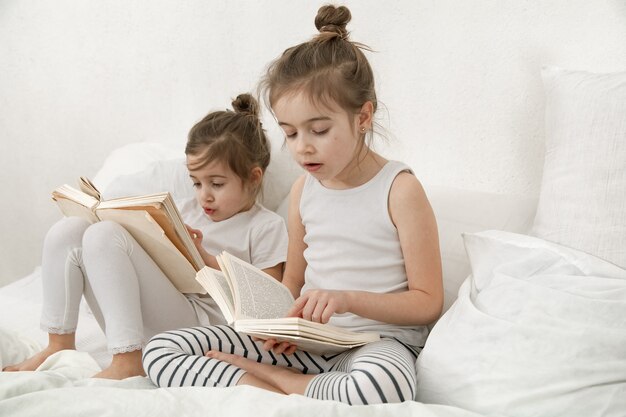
(62, 387)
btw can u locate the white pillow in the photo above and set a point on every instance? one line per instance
(161, 175)
(582, 203)
(538, 330)
(142, 168)
(460, 211)
(131, 159)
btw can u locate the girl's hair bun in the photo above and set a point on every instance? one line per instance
(246, 104)
(333, 19)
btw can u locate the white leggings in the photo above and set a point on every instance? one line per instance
(380, 372)
(128, 294)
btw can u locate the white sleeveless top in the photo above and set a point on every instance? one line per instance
(352, 244)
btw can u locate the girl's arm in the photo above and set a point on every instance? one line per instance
(421, 304)
(293, 276)
(276, 271)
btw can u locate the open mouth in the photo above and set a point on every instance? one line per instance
(312, 167)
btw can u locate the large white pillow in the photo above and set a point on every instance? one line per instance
(582, 203)
(538, 330)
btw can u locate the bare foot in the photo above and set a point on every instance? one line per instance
(286, 380)
(56, 343)
(33, 362)
(123, 365)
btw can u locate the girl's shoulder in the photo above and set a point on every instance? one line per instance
(261, 218)
(407, 198)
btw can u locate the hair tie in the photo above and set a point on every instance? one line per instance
(338, 30)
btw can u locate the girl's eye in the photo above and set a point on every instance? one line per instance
(196, 185)
(290, 135)
(320, 132)
(217, 184)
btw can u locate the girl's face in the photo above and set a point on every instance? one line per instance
(323, 140)
(219, 191)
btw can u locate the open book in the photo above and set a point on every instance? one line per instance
(153, 220)
(256, 303)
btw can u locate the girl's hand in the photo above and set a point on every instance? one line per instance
(196, 235)
(319, 305)
(277, 347)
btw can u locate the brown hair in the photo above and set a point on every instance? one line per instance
(329, 67)
(235, 138)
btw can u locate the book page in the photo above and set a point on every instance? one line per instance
(88, 187)
(309, 345)
(153, 240)
(309, 336)
(218, 288)
(71, 208)
(257, 294)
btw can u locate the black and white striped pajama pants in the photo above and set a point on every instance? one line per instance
(379, 372)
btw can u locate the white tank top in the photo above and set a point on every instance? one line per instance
(352, 244)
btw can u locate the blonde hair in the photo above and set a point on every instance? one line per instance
(329, 67)
(235, 138)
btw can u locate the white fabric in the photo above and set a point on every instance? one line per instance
(20, 313)
(128, 294)
(352, 244)
(257, 236)
(460, 211)
(537, 330)
(64, 389)
(145, 167)
(133, 159)
(583, 192)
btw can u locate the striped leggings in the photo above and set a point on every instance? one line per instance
(380, 372)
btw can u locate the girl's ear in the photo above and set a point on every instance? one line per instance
(256, 176)
(366, 115)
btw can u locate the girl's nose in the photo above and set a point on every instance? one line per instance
(304, 146)
(207, 195)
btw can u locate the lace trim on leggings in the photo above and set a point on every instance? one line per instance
(57, 330)
(126, 349)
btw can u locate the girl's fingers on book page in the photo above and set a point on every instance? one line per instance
(296, 308)
(327, 313)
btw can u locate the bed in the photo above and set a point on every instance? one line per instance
(535, 291)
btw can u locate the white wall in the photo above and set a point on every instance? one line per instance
(460, 80)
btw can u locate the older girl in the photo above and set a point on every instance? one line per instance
(363, 244)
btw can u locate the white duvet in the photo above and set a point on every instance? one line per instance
(538, 330)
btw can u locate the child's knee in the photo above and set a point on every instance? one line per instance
(102, 235)
(67, 231)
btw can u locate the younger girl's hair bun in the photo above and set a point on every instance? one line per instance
(246, 104)
(333, 19)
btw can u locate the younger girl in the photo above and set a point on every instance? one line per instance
(363, 244)
(227, 154)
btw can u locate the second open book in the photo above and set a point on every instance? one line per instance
(153, 220)
(255, 303)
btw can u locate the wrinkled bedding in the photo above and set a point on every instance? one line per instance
(62, 387)
(537, 330)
